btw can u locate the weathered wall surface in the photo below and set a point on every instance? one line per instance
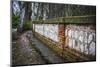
(81, 37)
(61, 36)
(48, 30)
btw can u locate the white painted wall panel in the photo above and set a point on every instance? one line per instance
(48, 30)
(81, 38)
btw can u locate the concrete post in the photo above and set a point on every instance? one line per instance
(61, 37)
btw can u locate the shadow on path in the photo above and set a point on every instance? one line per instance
(23, 53)
(29, 50)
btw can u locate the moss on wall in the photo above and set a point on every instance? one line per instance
(69, 54)
(69, 19)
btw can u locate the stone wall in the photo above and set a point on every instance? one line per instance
(81, 38)
(61, 36)
(48, 30)
(75, 36)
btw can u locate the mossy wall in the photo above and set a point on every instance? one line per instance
(68, 54)
(87, 19)
(81, 38)
(73, 38)
(48, 30)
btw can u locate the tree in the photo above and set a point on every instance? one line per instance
(25, 13)
(43, 11)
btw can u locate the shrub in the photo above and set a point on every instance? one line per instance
(15, 21)
(27, 25)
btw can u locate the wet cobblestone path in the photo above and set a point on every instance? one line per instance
(23, 53)
(29, 50)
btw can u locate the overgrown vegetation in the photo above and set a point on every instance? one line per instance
(15, 21)
(27, 25)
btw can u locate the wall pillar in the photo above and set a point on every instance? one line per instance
(61, 36)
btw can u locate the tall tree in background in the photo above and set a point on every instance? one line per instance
(42, 11)
(24, 13)
(15, 14)
(28, 11)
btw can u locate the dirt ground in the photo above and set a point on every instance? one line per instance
(23, 53)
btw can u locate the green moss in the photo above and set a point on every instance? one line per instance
(80, 19)
(69, 19)
(68, 54)
(27, 25)
(15, 21)
(55, 48)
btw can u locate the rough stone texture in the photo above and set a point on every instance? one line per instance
(81, 38)
(76, 36)
(61, 36)
(48, 30)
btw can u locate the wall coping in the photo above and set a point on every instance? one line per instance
(69, 19)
